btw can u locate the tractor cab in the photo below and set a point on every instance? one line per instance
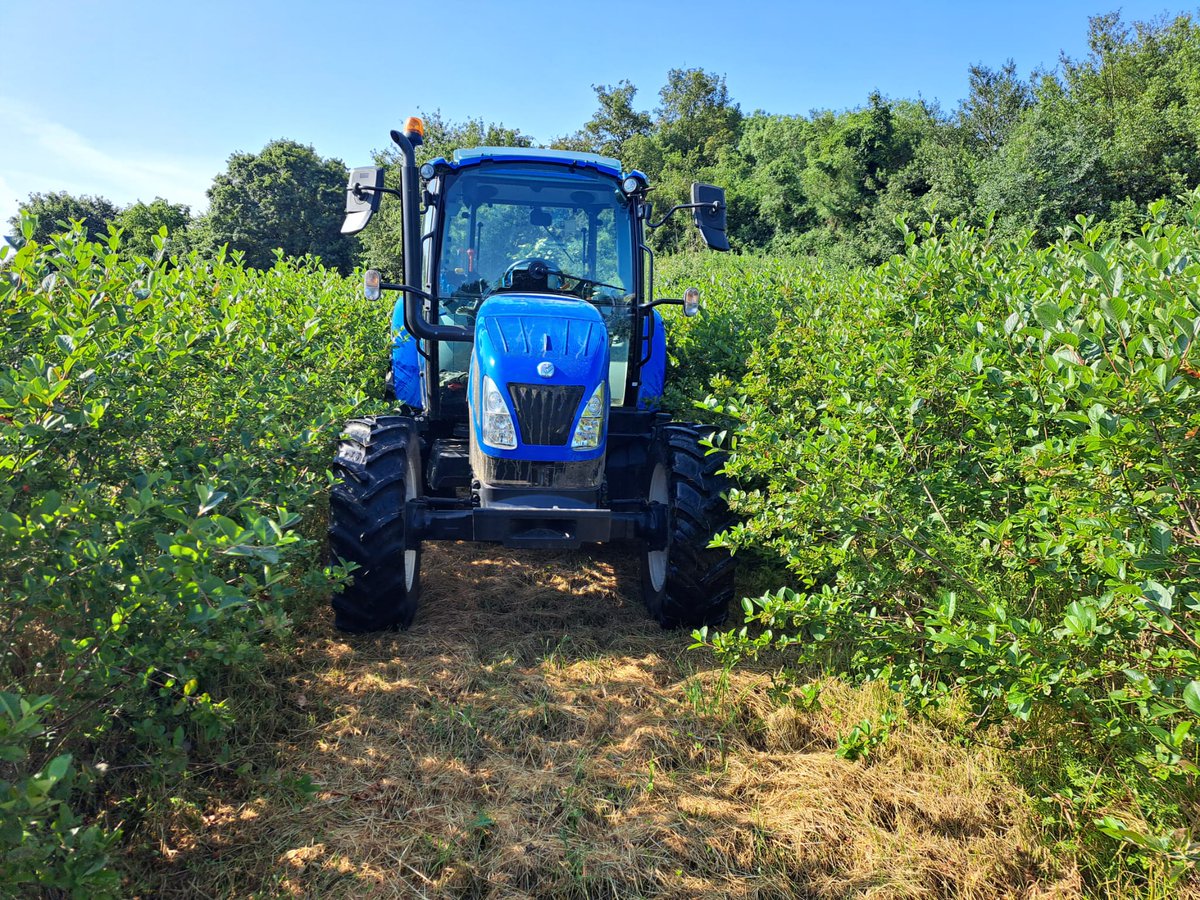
(528, 359)
(519, 224)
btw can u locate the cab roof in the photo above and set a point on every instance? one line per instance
(473, 156)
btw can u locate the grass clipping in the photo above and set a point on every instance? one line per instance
(535, 735)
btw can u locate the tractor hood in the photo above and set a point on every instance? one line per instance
(526, 330)
(546, 355)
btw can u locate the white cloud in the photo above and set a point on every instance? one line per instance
(39, 155)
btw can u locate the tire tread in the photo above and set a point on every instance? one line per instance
(367, 524)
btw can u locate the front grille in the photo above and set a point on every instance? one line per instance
(545, 412)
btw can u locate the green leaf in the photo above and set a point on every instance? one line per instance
(1159, 597)
(1099, 265)
(1160, 537)
(1080, 618)
(1019, 704)
(57, 768)
(1115, 307)
(211, 501)
(51, 501)
(1047, 314)
(1191, 696)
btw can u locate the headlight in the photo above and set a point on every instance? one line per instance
(591, 424)
(498, 429)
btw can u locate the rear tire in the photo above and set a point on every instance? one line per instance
(378, 469)
(688, 584)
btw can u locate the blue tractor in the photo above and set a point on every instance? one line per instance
(527, 363)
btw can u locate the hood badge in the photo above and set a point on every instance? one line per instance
(546, 369)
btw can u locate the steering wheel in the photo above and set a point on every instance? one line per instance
(533, 269)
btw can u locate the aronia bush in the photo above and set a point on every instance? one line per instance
(165, 427)
(981, 464)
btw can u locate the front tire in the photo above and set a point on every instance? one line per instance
(378, 469)
(688, 584)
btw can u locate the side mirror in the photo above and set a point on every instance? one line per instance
(709, 214)
(362, 197)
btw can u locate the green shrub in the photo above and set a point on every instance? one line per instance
(165, 428)
(980, 462)
(744, 300)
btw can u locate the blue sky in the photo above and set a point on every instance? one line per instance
(132, 99)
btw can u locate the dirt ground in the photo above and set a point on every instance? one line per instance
(534, 735)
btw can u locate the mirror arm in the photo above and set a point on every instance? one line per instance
(673, 301)
(714, 208)
(418, 326)
(360, 189)
(407, 289)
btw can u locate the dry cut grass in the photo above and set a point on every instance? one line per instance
(534, 735)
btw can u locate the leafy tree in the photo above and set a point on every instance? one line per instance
(931, 174)
(56, 211)
(140, 223)
(767, 174)
(613, 124)
(994, 105)
(852, 158)
(284, 197)
(1050, 170)
(696, 118)
(696, 130)
(1115, 131)
(1138, 91)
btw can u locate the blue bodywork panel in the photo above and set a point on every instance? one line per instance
(654, 372)
(513, 333)
(406, 364)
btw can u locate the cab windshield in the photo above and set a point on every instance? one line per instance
(538, 228)
(501, 221)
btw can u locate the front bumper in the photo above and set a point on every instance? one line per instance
(539, 527)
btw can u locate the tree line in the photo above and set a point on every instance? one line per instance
(1101, 136)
